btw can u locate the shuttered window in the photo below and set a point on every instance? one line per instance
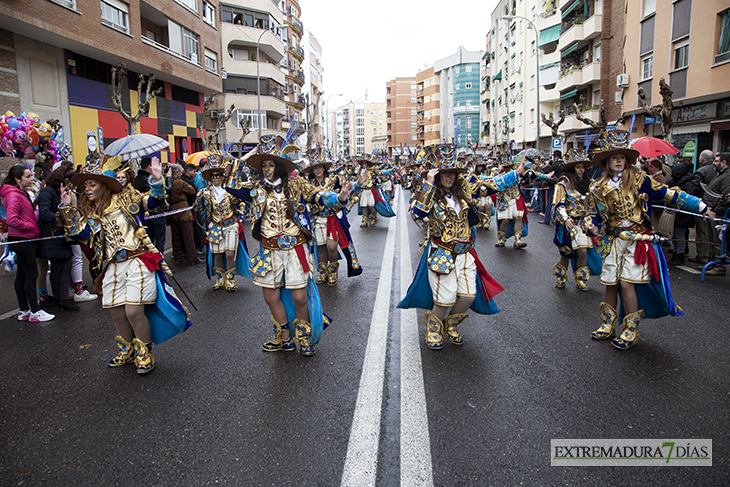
(647, 36)
(682, 19)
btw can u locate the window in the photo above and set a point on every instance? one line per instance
(681, 55)
(649, 7)
(190, 4)
(211, 61)
(242, 115)
(597, 97)
(467, 86)
(597, 52)
(209, 13)
(468, 122)
(413, 125)
(532, 115)
(456, 70)
(192, 45)
(647, 67)
(532, 48)
(66, 3)
(519, 119)
(468, 68)
(115, 14)
(532, 82)
(723, 40)
(457, 86)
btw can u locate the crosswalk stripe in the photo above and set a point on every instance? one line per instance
(415, 444)
(362, 450)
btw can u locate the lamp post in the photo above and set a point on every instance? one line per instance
(258, 79)
(537, 72)
(326, 116)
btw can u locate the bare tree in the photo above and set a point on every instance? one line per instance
(218, 127)
(206, 109)
(600, 125)
(119, 74)
(312, 110)
(552, 123)
(662, 111)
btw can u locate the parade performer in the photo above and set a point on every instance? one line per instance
(224, 216)
(372, 201)
(633, 263)
(483, 201)
(283, 266)
(133, 287)
(570, 206)
(331, 228)
(450, 274)
(511, 208)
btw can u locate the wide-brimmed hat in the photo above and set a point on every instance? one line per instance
(104, 174)
(316, 158)
(215, 164)
(614, 142)
(270, 149)
(573, 157)
(367, 159)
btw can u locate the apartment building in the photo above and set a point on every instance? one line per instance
(255, 46)
(295, 70)
(57, 56)
(401, 115)
(686, 42)
(314, 88)
(358, 123)
(428, 96)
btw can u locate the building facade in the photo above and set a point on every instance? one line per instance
(313, 87)
(687, 43)
(358, 123)
(428, 109)
(57, 58)
(401, 115)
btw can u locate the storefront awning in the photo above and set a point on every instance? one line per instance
(721, 125)
(569, 50)
(691, 128)
(497, 76)
(569, 94)
(551, 34)
(570, 9)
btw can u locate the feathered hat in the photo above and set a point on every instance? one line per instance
(614, 142)
(316, 158)
(104, 173)
(215, 164)
(444, 158)
(271, 148)
(573, 157)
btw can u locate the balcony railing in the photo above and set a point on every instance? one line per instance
(297, 24)
(166, 49)
(297, 51)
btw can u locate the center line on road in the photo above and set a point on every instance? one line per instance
(362, 450)
(415, 444)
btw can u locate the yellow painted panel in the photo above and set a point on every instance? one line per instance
(82, 119)
(153, 108)
(179, 131)
(190, 118)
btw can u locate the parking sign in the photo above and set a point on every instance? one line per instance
(557, 144)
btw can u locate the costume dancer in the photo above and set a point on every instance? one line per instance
(112, 222)
(450, 274)
(633, 263)
(224, 216)
(483, 201)
(282, 224)
(569, 203)
(372, 200)
(331, 228)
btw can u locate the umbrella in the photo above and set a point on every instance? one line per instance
(529, 154)
(138, 145)
(653, 147)
(195, 157)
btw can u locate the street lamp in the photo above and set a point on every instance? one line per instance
(537, 73)
(326, 116)
(258, 79)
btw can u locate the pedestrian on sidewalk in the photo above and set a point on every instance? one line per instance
(22, 225)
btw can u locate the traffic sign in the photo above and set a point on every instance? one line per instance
(557, 144)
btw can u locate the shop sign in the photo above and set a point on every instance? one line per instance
(689, 149)
(694, 112)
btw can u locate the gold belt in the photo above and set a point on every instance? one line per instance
(121, 255)
(456, 246)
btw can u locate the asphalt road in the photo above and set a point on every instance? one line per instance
(374, 406)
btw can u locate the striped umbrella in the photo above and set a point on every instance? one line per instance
(135, 146)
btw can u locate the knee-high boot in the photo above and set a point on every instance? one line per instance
(143, 358)
(501, 238)
(451, 322)
(278, 344)
(323, 273)
(332, 273)
(434, 331)
(581, 278)
(302, 333)
(231, 285)
(561, 275)
(220, 279)
(126, 352)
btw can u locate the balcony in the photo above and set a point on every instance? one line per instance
(296, 25)
(571, 123)
(573, 33)
(549, 95)
(570, 76)
(591, 73)
(297, 76)
(297, 51)
(593, 27)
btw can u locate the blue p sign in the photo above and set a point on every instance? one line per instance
(557, 144)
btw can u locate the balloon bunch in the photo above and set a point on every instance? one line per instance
(24, 136)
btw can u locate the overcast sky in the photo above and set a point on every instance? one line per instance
(367, 43)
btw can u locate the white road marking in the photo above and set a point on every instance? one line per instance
(415, 443)
(9, 314)
(362, 450)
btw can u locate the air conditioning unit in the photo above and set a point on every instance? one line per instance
(622, 80)
(618, 97)
(292, 10)
(214, 114)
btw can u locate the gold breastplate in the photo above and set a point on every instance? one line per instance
(274, 220)
(118, 231)
(220, 212)
(623, 207)
(447, 225)
(575, 204)
(511, 193)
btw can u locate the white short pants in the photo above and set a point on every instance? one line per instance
(462, 281)
(128, 282)
(229, 242)
(619, 265)
(367, 198)
(286, 266)
(511, 212)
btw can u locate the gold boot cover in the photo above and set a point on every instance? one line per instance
(561, 275)
(434, 331)
(451, 322)
(125, 355)
(609, 318)
(630, 334)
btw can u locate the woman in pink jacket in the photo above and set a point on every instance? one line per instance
(22, 225)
